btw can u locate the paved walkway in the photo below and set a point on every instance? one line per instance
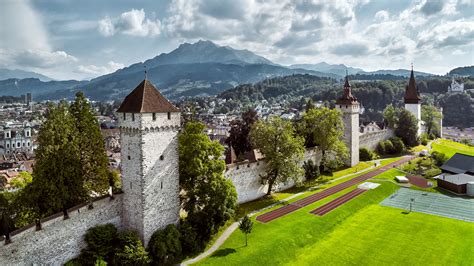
(222, 238)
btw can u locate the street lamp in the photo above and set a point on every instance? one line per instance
(411, 203)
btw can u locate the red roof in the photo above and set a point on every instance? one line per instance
(145, 98)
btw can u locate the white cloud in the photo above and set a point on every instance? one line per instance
(110, 67)
(381, 15)
(132, 23)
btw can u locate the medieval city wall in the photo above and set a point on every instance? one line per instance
(370, 140)
(247, 181)
(59, 240)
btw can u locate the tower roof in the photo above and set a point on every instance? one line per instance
(145, 98)
(411, 93)
(347, 98)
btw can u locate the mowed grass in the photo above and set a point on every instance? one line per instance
(450, 147)
(360, 232)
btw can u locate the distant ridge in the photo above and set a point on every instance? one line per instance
(20, 74)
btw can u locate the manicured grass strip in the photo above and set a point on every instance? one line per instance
(337, 202)
(274, 214)
(450, 147)
(360, 232)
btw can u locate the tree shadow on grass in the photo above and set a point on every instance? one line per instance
(223, 252)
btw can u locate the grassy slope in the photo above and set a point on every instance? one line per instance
(358, 232)
(449, 147)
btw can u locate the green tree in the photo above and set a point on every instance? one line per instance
(407, 128)
(22, 180)
(209, 198)
(57, 182)
(101, 242)
(390, 116)
(239, 132)
(245, 226)
(283, 150)
(6, 217)
(430, 115)
(324, 128)
(92, 156)
(130, 250)
(165, 246)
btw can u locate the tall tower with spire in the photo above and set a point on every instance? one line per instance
(149, 126)
(413, 100)
(350, 108)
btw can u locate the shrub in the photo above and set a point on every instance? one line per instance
(165, 246)
(389, 148)
(432, 172)
(398, 145)
(380, 149)
(424, 139)
(439, 157)
(130, 250)
(100, 242)
(311, 170)
(365, 154)
(188, 239)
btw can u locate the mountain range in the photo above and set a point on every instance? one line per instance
(198, 69)
(21, 74)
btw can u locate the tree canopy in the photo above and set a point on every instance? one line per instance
(209, 198)
(239, 137)
(283, 150)
(407, 128)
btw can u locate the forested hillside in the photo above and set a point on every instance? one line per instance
(294, 91)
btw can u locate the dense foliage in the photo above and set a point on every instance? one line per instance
(282, 148)
(324, 128)
(209, 199)
(165, 246)
(239, 135)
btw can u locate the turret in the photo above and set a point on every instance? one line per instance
(413, 100)
(149, 126)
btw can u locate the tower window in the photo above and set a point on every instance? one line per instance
(169, 115)
(162, 157)
(128, 157)
(133, 116)
(161, 186)
(130, 185)
(154, 116)
(124, 116)
(8, 145)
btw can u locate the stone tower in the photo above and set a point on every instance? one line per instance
(149, 126)
(413, 100)
(350, 108)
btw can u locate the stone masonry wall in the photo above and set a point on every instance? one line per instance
(246, 177)
(371, 139)
(60, 240)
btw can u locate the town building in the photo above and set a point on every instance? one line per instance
(456, 87)
(458, 174)
(15, 137)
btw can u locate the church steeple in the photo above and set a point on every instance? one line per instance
(347, 97)
(411, 92)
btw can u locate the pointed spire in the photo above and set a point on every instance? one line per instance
(146, 77)
(411, 92)
(346, 83)
(347, 98)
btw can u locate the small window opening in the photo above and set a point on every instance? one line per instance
(133, 116)
(161, 185)
(154, 116)
(169, 115)
(130, 185)
(162, 157)
(124, 116)
(128, 157)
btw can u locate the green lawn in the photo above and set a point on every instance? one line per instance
(360, 232)
(450, 147)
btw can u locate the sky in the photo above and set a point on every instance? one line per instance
(68, 39)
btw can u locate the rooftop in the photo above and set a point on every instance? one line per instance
(145, 98)
(459, 164)
(459, 179)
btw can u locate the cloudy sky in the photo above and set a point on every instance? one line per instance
(68, 39)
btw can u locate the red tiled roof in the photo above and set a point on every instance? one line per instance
(145, 98)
